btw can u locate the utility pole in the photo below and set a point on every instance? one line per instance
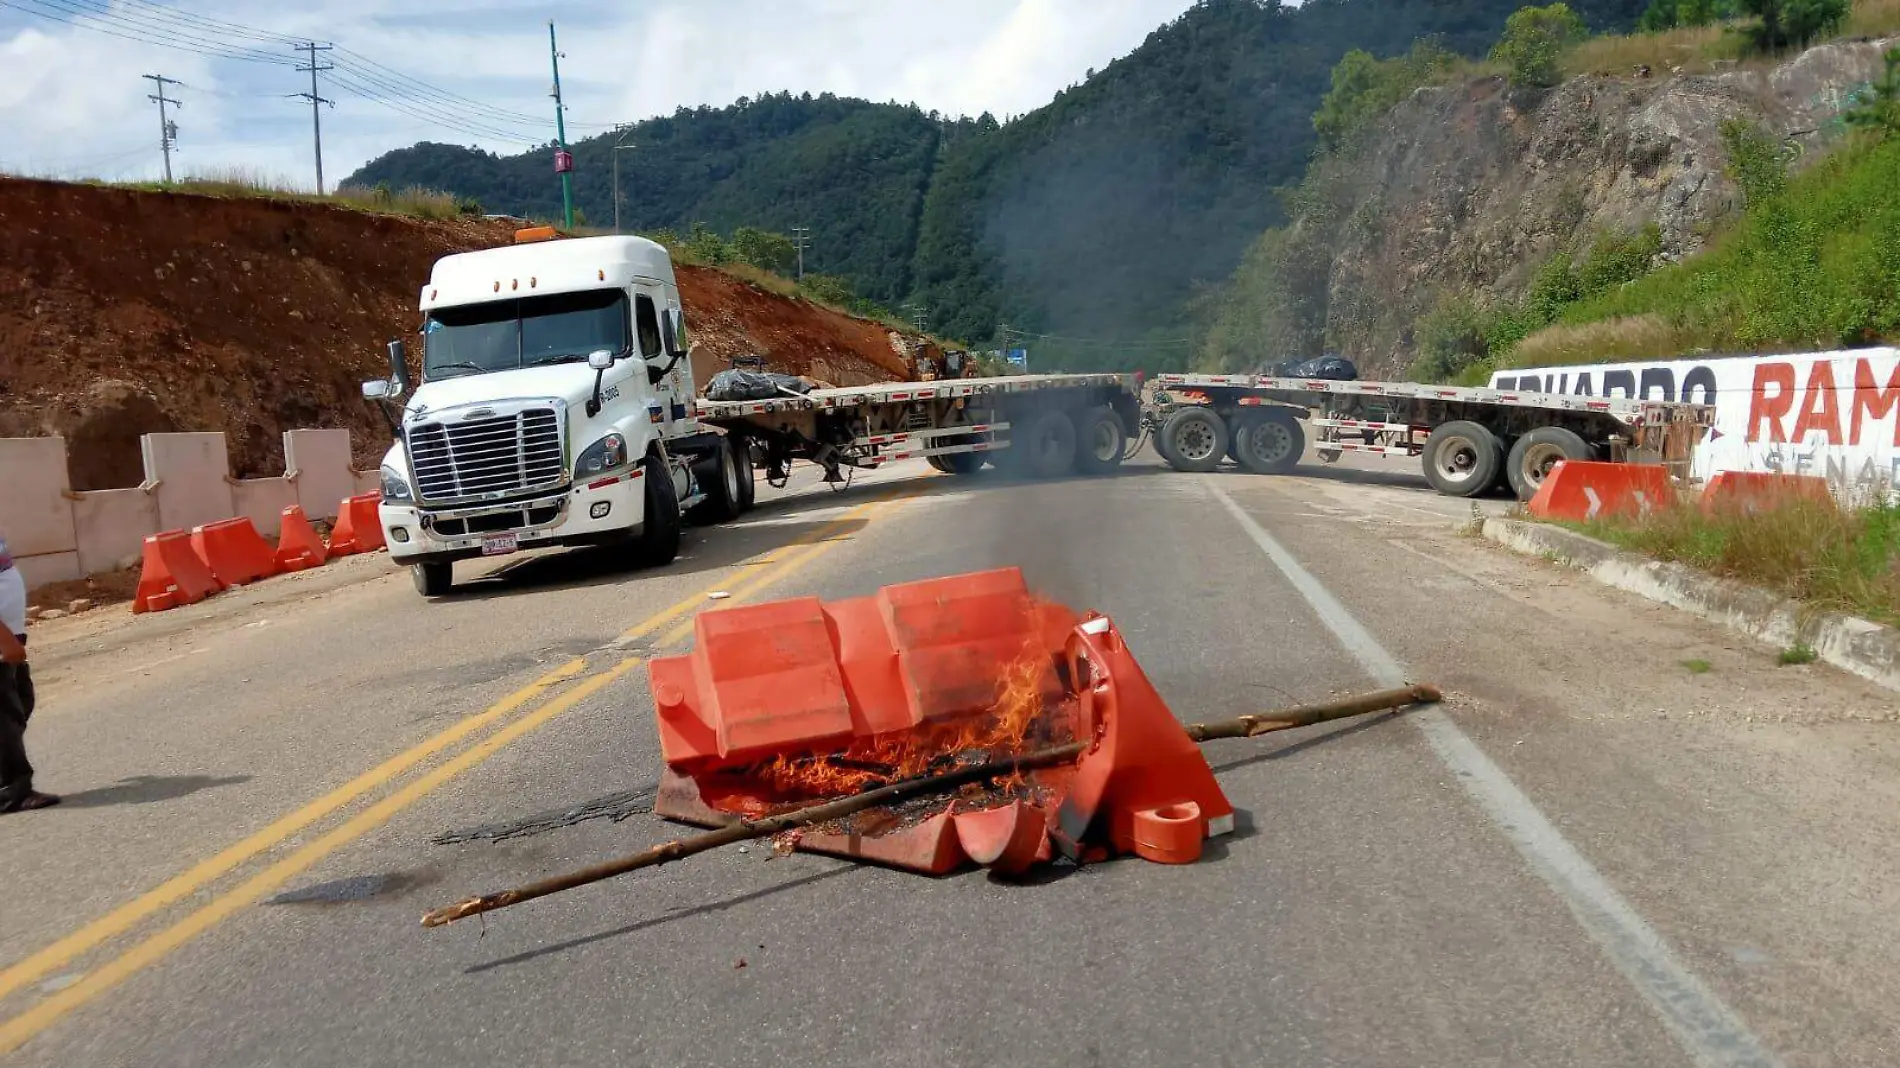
(563, 161)
(801, 236)
(619, 147)
(316, 120)
(167, 129)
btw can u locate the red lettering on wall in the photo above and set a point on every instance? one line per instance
(1820, 405)
(1766, 410)
(1873, 402)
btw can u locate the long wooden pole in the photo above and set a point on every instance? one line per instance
(743, 830)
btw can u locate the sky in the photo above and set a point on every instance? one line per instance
(476, 72)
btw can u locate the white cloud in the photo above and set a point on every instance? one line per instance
(73, 102)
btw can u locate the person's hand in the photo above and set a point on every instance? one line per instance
(12, 650)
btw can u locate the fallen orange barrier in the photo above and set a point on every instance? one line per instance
(1755, 491)
(793, 702)
(358, 528)
(1581, 490)
(172, 574)
(298, 546)
(234, 551)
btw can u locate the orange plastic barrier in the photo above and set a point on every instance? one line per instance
(358, 529)
(298, 546)
(1755, 491)
(1581, 490)
(234, 551)
(172, 574)
(785, 703)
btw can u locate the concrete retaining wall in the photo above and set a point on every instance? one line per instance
(56, 534)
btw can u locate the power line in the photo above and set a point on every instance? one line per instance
(117, 25)
(1011, 331)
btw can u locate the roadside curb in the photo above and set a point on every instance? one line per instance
(1850, 643)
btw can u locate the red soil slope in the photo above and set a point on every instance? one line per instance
(124, 313)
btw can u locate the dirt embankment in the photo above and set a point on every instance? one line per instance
(124, 313)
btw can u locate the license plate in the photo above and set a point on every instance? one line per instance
(499, 544)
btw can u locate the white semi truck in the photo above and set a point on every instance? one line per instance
(555, 408)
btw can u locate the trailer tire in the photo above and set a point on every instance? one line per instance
(1533, 455)
(1045, 449)
(961, 463)
(433, 579)
(748, 479)
(1192, 439)
(1101, 440)
(1461, 458)
(1270, 443)
(937, 462)
(725, 498)
(659, 539)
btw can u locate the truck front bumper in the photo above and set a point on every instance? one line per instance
(603, 510)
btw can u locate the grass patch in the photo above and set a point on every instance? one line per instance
(1691, 50)
(1796, 654)
(1696, 667)
(1823, 556)
(243, 182)
(1814, 264)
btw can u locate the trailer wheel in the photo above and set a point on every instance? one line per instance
(1461, 458)
(433, 579)
(1270, 443)
(1101, 441)
(1535, 453)
(748, 481)
(659, 539)
(1045, 448)
(937, 462)
(1192, 439)
(724, 496)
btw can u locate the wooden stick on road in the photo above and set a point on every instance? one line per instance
(680, 848)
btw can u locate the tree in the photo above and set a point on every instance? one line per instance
(1534, 41)
(706, 246)
(1781, 24)
(766, 251)
(1879, 111)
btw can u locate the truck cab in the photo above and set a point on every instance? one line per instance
(555, 408)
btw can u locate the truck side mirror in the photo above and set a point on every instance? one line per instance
(600, 359)
(399, 367)
(674, 324)
(376, 389)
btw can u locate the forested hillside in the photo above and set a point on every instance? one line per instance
(1096, 217)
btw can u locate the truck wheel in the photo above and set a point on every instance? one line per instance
(1101, 441)
(1046, 448)
(1461, 458)
(1270, 443)
(938, 463)
(724, 496)
(1535, 453)
(748, 485)
(1193, 439)
(433, 580)
(659, 539)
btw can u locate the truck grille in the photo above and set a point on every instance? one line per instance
(487, 458)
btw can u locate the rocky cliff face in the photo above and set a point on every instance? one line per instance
(1469, 189)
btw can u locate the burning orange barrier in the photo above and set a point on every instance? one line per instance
(788, 703)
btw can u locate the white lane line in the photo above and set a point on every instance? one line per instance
(1708, 1029)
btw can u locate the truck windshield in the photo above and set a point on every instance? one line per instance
(503, 335)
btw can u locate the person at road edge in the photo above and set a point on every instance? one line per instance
(16, 695)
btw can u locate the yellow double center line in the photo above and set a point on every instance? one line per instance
(776, 565)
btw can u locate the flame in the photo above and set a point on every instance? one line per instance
(1014, 723)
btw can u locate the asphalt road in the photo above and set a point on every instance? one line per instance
(1590, 855)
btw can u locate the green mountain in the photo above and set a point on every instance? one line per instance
(1094, 219)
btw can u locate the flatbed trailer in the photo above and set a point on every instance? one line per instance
(1038, 426)
(1469, 439)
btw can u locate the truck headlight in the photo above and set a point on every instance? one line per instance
(603, 455)
(395, 487)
